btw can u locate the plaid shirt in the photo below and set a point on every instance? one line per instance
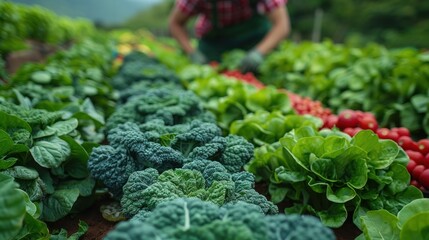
(230, 12)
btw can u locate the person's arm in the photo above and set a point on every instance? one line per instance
(279, 18)
(177, 26)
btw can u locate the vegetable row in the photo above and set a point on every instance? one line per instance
(48, 127)
(175, 172)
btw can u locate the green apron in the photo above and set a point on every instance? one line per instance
(244, 35)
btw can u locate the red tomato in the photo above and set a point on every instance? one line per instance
(369, 114)
(331, 121)
(347, 119)
(349, 131)
(415, 156)
(415, 183)
(424, 179)
(411, 165)
(393, 136)
(417, 171)
(402, 131)
(423, 145)
(426, 161)
(407, 143)
(383, 133)
(367, 122)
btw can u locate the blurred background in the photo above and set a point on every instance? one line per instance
(394, 23)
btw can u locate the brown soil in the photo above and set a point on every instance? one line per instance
(98, 226)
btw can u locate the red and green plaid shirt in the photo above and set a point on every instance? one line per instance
(230, 12)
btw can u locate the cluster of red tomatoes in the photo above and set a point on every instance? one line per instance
(304, 105)
(245, 77)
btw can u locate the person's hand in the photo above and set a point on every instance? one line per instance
(197, 57)
(251, 61)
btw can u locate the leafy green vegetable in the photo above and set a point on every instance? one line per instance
(332, 175)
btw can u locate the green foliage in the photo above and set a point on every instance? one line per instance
(47, 162)
(192, 218)
(20, 23)
(409, 223)
(232, 100)
(390, 83)
(264, 127)
(332, 175)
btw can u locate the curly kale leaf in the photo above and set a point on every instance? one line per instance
(197, 135)
(232, 151)
(142, 150)
(142, 192)
(173, 107)
(133, 230)
(239, 186)
(193, 218)
(296, 226)
(112, 167)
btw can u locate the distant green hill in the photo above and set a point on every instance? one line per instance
(107, 12)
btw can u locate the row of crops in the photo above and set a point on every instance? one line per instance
(21, 23)
(206, 152)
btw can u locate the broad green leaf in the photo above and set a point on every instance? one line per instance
(334, 146)
(59, 234)
(305, 147)
(21, 172)
(41, 77)
(30, 207)
(6, 143)
(316, 186)
(380, 224)
(85, 186)
(416, 228)
(324, 169)
(89, 109)
(339, 195)
(277, 193)
(289, 176)
(50, 153)
(400, 176)
(388, 152)
(33, 228)
(395, 203)
(7, 163)
(402, 157)
(82, 229)
(413, 208)
(305, 131)
(65, 127)
(12, 208)
(46, 132)
(59, 204)
(334, 216)
(77, 163)
(409, 117)
(11, 123)
(420, 103)
(366, 139)
(351, 167)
